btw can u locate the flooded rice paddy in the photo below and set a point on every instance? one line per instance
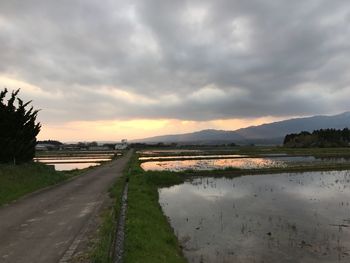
(219, 162)
(215, 162)
(300, 217)
(210, 164)
(188, 157)
(72, 166)
(168, 151)
(75, 161)
(72, 160)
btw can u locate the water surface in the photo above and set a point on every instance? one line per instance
(72, 160)
(72, 166)
(188, 157)
(237, 162)
(70, 163)
(210, 164)
(278, 218)
(55, 157)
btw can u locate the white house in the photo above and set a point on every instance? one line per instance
(122, 145)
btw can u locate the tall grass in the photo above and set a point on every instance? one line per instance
(18, 180)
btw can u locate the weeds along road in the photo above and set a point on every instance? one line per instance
(48, 226)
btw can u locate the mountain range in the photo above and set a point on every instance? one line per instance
(269, 133)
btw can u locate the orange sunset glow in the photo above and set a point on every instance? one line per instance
(136, 129)
(126, 72)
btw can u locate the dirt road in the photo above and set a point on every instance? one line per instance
(48, 226)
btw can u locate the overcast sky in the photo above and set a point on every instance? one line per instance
(137, 68)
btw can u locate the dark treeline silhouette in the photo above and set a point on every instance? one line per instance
(52, 142)
(18, 129)
(319, 138)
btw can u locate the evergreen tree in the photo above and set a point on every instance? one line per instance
(319, 138)
(18, 129)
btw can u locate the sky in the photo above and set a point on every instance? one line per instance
(110, 69)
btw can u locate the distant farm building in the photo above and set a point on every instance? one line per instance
(122, 145)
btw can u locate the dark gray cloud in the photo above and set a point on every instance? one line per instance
(195, 60)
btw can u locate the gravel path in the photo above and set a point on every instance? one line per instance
(49, 225)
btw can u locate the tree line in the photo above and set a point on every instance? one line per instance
(318, 138)
(52, 142)
(18, 129)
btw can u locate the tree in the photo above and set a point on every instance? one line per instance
(52, 142)
(18, 129)
(92, 144)
(319, 138)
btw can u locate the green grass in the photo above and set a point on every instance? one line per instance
(149, 237)
(19, 180)
(102, 248)
(16, 181)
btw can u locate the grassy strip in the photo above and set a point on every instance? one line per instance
(149, 237)
(234, 172)
(19, 180)
(16, 181)
(102, 248)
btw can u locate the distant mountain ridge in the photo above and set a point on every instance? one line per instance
(269, 133)
(199, 136)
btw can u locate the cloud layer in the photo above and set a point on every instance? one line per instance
(190, 60)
